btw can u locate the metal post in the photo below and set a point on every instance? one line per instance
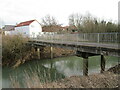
(116, 37)
(102, 63)
(85, 66)
(84, 37)
(98, 38)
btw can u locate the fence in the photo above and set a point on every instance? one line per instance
(83, 37)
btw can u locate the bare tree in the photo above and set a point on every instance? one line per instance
(49, 20)
(71, 20)
(75, 20)
(50, 24)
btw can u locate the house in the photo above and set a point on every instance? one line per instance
(52, 29)
(70, 29)
(8, 29)
(30, 28)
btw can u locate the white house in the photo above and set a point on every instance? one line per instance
(30, 28)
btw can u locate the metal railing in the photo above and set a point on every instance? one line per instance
(83, 37)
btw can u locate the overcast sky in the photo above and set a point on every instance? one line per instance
(15, 11)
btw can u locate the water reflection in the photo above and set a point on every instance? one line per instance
(54, 69)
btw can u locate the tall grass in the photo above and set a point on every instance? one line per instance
(37, 77)
(106, 80)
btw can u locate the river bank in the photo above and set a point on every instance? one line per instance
(106, 80)
(109, 79)
(15, 51)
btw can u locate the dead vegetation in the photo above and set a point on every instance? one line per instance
(14, 49)
(105, 80)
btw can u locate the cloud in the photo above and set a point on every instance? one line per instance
(13, 11)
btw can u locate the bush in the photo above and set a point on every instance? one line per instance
(13, 48)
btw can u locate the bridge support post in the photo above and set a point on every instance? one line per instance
(33, 49)
(102, 63)
(38, 53)
(85, 66)
(51, 52)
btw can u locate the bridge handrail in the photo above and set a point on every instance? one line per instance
(83, 37)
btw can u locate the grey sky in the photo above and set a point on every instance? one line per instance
(15, 11)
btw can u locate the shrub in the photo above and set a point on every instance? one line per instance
(13, 48)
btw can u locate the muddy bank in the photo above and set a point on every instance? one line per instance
(44, 54)
(107, 80)
(115, 69)
(15, 51)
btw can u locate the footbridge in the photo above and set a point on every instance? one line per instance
(85, 45)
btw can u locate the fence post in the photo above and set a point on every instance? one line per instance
(84, 37)
(116, 37)
(77, 38)
(98, 38)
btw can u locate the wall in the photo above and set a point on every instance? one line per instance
(24, 30)
(35, 29)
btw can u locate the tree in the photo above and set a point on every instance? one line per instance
(50, 24)
(75, 20)
(71, 20)
(90, 24)
(49, 20)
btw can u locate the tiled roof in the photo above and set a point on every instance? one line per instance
(53, 28)
(24, 23)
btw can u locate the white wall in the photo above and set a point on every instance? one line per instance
(35, 29)
(24, 30)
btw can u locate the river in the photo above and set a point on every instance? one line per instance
(53, 69)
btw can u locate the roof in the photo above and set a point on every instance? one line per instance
(53, 28)
(26, 23)
(70, 27)
(8, 27)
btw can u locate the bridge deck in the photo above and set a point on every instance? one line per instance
(97, 48)
(91, 44)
